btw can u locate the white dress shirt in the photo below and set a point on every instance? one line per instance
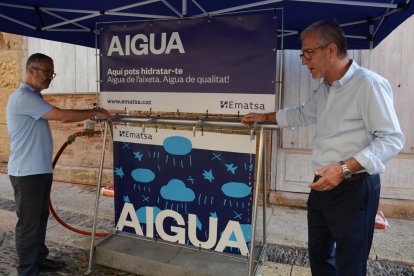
(354, 117)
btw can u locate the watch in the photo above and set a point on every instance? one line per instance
(345, 171)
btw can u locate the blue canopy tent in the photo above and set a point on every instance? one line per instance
(365, 22)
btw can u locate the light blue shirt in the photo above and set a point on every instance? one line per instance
(354, 117)
(31, 144)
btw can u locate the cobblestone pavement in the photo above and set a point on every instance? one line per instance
(299, 257)
(76, 259)
(282, 260)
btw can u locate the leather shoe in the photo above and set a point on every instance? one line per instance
(50, 265)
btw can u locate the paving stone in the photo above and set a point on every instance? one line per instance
(395, 243)
(392, 252)
(6, 189)
(288, 226)
(274, 269)
(76, 259)
(299, 257)
(301, 271)
(8, 220)
(288, 255)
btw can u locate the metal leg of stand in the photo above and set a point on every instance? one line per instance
(255, 203)
(98, 193)
(264, 191)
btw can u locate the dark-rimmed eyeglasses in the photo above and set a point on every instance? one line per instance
(307, 53)
(47, 72)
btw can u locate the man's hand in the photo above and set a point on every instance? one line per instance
(250, 118)
(330, 177)
(102, 112)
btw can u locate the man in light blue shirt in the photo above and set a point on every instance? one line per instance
(30, 136)
(30, 162)
(357, 132)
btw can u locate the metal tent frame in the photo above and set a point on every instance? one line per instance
(366, 22)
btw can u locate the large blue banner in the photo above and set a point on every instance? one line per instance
(173, 186)
(223, 65)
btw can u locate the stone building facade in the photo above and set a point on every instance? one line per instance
(12, 56)
(81, 159)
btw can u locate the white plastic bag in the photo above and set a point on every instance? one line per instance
(380, 221)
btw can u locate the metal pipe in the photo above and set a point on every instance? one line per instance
(98, 193)
(352, 3)
(46, 28)
(97, 57)
(149, 16)
(208, 122)
(247, 6)
(200, 7)
(17, 6)
(172, 8)
(281, 65)
(255, 202)
(17, 21)
(184, 7)
(264, 193)
(281, 82)
(64, 18)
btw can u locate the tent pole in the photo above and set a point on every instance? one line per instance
(200, 7)
(184, 7)
(352, 3)
(264, 195)
(97, 61)
(17, 21)
(334, 2)
(281, 64)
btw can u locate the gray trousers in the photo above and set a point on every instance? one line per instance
(31, 194)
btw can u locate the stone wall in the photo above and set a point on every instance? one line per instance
(80, 160)
(12, 57)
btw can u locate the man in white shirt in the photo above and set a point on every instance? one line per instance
(357, 132)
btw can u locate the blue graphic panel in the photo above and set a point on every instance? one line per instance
(213, 185)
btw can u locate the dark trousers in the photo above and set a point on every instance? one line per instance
(341, 226)
(31, 194)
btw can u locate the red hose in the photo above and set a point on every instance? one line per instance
(79, 183)
(64, 224)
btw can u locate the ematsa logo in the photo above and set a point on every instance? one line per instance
(134, 135)
(241, 105)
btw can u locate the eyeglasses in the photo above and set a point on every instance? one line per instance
(47, 72)
(307, 53)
